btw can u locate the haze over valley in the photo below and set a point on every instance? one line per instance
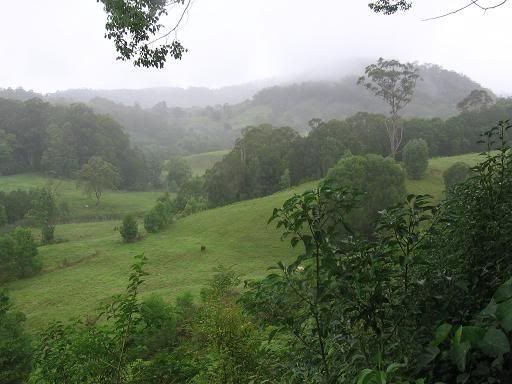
(245, 192)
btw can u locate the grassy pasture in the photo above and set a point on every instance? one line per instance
(432, 182)
(113, 205)
(92, 264)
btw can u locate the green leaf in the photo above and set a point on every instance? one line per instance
(472, 335)
(504, 315)
(272, 334)
(494, 343)
(503, 293)
(427, 356)
(458, 355)
(458, 335)
(441, 334)
(392, 368)
(365, 376)
(490, 310)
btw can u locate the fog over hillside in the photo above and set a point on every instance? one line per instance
(172, 96)
(195, 120)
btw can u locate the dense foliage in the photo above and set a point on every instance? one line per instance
(161, 215)
(253, 168)
(426, 298)
(18, 255)
(257, 165)
(178, 173)
(415, 157)
(15, 345)
(58, 140)
(456, 174)
(17, 204)
(379, 181)
(129, 229)
(135, 26)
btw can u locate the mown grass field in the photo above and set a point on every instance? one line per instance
(113, 205)
(203, 161)
(93, 264)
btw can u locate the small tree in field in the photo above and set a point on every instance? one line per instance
(129, 229)
(415, 157)
(394, 82)
(46, 212)
(96, 176)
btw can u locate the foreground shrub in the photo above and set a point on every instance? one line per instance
(457, 173)
(415, 156)
(129, 229)
(15, 348)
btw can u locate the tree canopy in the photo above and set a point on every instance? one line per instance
(96, 176)
(394, 82)
(138, 34)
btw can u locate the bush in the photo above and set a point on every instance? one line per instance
(160, 216)
(415, 157)
(129, 229)
(18, 255)
(380, 181)
(191, 190)
(17, 204)
(194, 205)
(456, 174)
(153, 221)
(15, 349)
(3, 216)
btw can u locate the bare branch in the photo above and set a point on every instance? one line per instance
(470, 4)
(176, 26)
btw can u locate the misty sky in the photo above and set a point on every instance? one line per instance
(47, 45)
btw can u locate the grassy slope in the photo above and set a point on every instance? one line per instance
(114, 204)
(98, 264)
(432, 183)
(93, 265)
(203, 161)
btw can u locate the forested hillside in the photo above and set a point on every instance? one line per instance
(168, 127)
(37, 136)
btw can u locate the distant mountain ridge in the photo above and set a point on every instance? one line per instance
(198, 120)
(172, 96)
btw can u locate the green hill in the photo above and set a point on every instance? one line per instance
(203, 161)
(92, 264)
